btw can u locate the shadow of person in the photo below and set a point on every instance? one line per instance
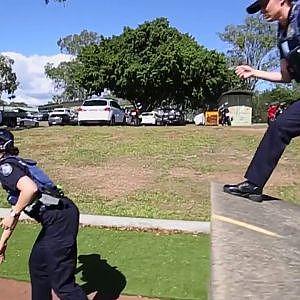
(269, 198)
(100, 277)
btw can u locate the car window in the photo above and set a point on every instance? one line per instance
(95, 103)
(115, 104)
(61, 110)
(57, 115)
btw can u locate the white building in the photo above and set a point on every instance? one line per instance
(239, 103)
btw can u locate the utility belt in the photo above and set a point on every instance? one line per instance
(42, 203)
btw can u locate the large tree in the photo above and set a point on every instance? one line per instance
(152, 63)
(64, 75)
(252, 43)
(65, 81)
(72, 44)
(8, 79)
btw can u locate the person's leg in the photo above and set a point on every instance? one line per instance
(40, 282)
(277, 137)
(62, 263)
(61, 251)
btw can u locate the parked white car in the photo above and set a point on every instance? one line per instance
(151, 118)
(27, 122)
(199, 119)
(94, 111)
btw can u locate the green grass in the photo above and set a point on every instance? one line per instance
(155, 265)
(156, 150)
(291, 192)
(158, 172)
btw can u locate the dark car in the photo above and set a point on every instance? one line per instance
(172, 116)
(58, 119)
(41, 116)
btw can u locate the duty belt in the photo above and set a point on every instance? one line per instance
(45, 200)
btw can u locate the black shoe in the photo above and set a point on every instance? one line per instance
(244, 189)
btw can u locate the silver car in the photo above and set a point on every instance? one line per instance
(27, 122)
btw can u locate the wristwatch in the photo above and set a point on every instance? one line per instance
(14, 214)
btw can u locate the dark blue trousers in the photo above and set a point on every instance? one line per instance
(271, 147)
(53, 257)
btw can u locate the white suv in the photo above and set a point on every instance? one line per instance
(101, 111)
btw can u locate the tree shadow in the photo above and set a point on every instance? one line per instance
(107, 281)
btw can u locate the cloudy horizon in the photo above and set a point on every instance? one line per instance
(34, 87)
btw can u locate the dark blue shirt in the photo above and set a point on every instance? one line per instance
(289, 38)
(10, 174)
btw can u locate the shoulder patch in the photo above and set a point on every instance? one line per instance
(6, 169)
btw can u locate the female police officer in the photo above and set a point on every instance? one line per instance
(53, 257)
(287, 125)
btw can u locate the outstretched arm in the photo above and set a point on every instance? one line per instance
(28, 190)
(245, 71)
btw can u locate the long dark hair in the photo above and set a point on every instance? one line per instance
(12, 151)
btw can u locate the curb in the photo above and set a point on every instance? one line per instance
(134, 223)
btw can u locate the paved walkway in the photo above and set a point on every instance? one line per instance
(255, 248)
(136, 223)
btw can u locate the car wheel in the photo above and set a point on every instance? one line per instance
(112, 121)
(22, 123)
(36, 124)
(124, 121)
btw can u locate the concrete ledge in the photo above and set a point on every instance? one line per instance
(136, 223)
(255, 248)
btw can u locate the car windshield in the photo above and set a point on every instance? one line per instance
(56, 115)
(95, 103)
(60, 110)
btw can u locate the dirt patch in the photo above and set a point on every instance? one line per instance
(19, 290)
(282, 175)
(110, 179)
(183, 172)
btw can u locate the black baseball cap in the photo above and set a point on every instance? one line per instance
(254, 7)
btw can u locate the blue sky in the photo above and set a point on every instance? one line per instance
(30, 29)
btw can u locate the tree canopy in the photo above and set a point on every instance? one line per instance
(8, 79)
(252, 43)
(72, 44)
(152, 63)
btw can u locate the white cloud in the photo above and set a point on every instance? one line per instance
(34, 87)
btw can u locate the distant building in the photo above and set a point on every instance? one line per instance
(239, 103)
(19, 109)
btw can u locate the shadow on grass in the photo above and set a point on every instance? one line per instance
(100, 277)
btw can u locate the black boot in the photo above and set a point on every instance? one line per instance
(244, 189)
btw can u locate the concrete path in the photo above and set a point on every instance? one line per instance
(255, 248)
(136, 223)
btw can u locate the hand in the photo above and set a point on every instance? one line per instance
(244, 71)
(2, 252)
(8, 223)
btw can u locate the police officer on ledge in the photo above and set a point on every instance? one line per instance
(287, 125)
(53, 257)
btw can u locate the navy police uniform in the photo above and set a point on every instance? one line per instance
(53, 257)
(287, 125)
